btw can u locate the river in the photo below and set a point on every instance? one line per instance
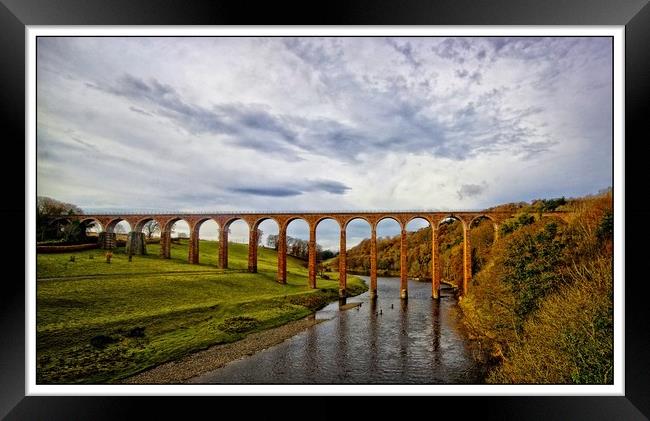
(418, 341)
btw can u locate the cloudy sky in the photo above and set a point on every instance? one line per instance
(205, 124)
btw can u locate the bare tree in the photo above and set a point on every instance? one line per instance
(150, 228)
(272, 241)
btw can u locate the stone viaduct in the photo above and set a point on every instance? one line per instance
(108, 223)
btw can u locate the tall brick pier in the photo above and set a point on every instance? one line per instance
(108, 223)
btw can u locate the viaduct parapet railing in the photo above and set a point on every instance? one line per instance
(166, 220)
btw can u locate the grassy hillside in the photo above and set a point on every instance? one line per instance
(99, 322)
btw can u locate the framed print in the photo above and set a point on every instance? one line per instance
(420, 207)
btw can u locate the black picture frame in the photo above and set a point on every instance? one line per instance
(15, 15)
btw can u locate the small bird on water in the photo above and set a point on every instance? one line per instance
(380, 312)
(391, 306)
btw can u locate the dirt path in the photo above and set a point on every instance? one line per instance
(217, 356)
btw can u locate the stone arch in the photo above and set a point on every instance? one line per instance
(352, 218)
(139, 225)
(292, 218)
(165, 235)
(304, 221)
(358, 218)
(313, 245)
(223, 239)
(93, 221)
(481, 216)
(195, 231)
(467, 256)
(170, 223)
(56, 225)
(199, 222)
(393, 217)
(428, 256)
(315, 266)
(322, 218)
(94, 227)
(258, 221)
(451, 216)
(362, 264)
(229, 221)
(479, 246)
(110, 226)
(282, 245)
(253, 251)
(414, 217)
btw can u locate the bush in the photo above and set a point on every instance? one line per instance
(513, 224)
(570, 338)
(102, 341)
(531, 267)
(136, 332)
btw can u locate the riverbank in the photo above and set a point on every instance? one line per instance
(101, 323)
(217, 356)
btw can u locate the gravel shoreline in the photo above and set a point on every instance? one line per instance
(201, 362)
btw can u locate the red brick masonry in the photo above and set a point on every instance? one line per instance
(166, 221)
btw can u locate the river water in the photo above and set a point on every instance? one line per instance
(387, 340)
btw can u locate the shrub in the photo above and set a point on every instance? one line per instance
(102, 341)
(513, 224)
(136, 332)
(531, 267)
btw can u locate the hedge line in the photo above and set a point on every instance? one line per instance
(66, 249)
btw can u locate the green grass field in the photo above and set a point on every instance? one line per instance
(98, 322)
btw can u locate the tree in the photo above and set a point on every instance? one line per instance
(75, 232)
(150, 228)
(260, 233)
(326, 254)
(49, 226)
(272, 241)
(51, 207)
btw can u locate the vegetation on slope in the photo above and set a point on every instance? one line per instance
(543, 305)
(99, 322)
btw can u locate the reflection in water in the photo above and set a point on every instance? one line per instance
(373, 343)
(386, 340)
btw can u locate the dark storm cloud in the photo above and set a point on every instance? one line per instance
(328, 186)
(241, 121)
(293, 189)
(470, 190)
(266, 191)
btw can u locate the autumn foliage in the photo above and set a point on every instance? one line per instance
(542, 306)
